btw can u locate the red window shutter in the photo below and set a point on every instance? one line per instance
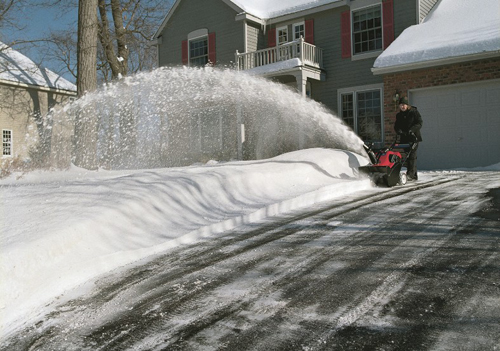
(211, 48)
(185, 56)
(388, 13)
(345, 28)
(271, 38)
(309, 31)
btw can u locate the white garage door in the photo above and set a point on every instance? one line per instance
(461, 125)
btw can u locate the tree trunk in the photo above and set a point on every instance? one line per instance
(118, 61)
(86, 120)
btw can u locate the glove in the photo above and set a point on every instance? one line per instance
(413, 136)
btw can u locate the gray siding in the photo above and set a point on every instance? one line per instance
(191, 15)
(340, 73)
(255, 37)
(346, 73)
(404, 15)
(425, 7)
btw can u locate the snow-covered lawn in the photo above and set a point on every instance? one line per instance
(62, 229)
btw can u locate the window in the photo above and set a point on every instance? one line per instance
(367, 30)
(348, 109)
(369, 118)
(362, 111)
(282, 35)
(199, 48)
(299, 30)
(198, 51)
(7, 142)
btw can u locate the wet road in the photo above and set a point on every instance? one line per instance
(407, 268)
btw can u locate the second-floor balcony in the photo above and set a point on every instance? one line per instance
(308, 55)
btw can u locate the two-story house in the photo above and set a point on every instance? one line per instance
(27, 93)
(325, 48)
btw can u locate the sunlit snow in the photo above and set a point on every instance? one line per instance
(61, 229)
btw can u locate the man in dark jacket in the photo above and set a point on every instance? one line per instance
(407, 127)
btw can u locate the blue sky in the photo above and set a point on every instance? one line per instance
(37, 23)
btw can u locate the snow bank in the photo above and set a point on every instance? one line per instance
(62, 229)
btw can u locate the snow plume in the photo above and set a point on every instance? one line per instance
(179, 116)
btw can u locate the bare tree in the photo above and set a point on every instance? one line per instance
(117, 59)
(86, 121)
(87, 46)
(123, 37)
(125, 31)
(6, 7)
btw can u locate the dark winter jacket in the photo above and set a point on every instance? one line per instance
(408, 124)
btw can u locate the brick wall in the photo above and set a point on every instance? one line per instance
(432, 77)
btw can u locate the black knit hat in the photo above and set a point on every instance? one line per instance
(403, 100)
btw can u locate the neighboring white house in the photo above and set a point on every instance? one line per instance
(27, 93)
(449, 66)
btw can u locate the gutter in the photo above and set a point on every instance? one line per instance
(38, 87)
(433, 63)
(290, 16)
(307, 12)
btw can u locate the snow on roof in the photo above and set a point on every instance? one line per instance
(455, 28)
(16, 67)
(269, 9)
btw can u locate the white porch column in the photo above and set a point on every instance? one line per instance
(240, 131)
(301, 87)
(301, 83)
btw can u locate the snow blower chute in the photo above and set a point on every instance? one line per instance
(386, 164)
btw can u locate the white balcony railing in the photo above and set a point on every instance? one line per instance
(308, 54)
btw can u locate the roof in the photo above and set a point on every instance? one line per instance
(19, 69)
(454, 31)
(262, 10)
(266, 9)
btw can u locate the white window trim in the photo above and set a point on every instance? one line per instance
(278, 35)
(194, 35)
(303, 23)
(360, 89)
(11, 143)
(197, 33)
(362, 6)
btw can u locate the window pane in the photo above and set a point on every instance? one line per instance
(367, 30)
(299, 31)
(369, 121)
(7, 142)
(198, 52)
(282, 35)
(348, 110)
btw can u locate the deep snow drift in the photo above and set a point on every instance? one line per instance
(62, 229)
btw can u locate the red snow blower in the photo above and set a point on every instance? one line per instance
(387, 164)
